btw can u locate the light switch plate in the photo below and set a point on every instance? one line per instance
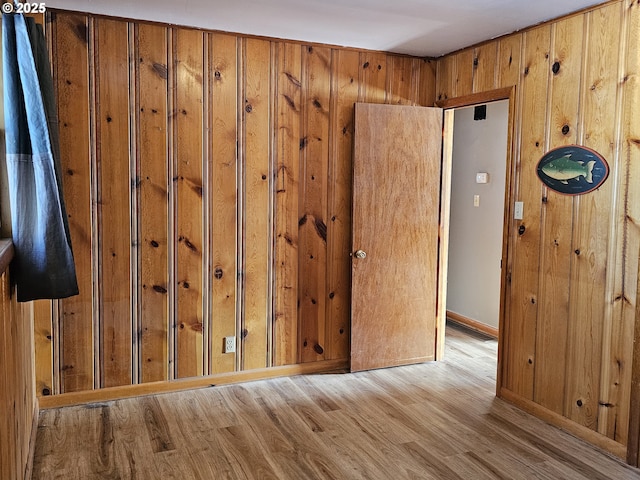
(518, 211)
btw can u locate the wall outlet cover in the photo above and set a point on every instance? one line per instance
(229, 344)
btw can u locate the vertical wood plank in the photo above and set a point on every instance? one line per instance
(313, 202)
(224, 136)
(557, 212)
(10, 382)
(625, 294)
(520, 355)
(588, 321)
(345, 66)
(508, 63)
(484, 67)
(17, 394)
(188, 51)
(373, 77)
(6, 457)
(112, 116)
(43, 348)
(71, 77)
(401, 80)
(153, 197)
(445, 78)
(633, 445)
(427, 85)
(288, 125)
(257, 122)
(464, 72)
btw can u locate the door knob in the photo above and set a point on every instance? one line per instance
(361, 254)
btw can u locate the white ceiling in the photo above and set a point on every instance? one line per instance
(417, 27)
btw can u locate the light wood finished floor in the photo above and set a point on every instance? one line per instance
(428, 421)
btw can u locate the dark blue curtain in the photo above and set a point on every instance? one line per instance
(43, 266)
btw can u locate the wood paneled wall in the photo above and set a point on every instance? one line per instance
(208, 185)
(18, 403)
(572, 272)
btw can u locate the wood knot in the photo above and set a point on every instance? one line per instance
(159, 289)
(555, 68)
(154, 244)
(526, 71)
(565, 129)
(218, 75)
(579, 403)
(46, 392)
(248, 108)
(189, 245)
(161, 70)
(475, 62)
(218, 273)
(577, 251)
(331, 295)
(289, 101)
(321, 229)
(318, 349)
(521, 230)
(366, 65)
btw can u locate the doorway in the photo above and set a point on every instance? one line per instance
(506, 213)
(478, 182)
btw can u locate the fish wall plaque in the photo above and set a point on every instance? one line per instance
(572, 170)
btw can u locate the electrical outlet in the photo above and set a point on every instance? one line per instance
(229, 344)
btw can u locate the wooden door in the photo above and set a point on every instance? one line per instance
(396, 204)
